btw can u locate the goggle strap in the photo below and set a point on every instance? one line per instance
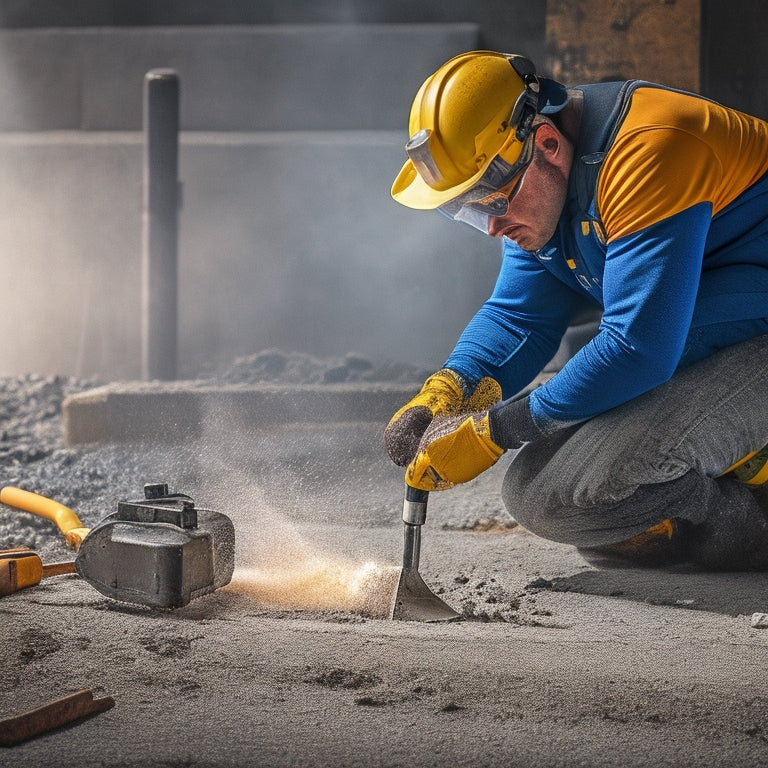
(524, 67)
(526, 105)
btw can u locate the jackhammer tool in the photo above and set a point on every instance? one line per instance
(414, 600)
(159, 551)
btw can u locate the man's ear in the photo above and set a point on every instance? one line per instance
(548, 140)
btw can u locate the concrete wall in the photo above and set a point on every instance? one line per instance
(286, 239)
(504, 25)
(291, 137)
(234, 78)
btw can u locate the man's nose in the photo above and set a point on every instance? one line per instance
(495, 226)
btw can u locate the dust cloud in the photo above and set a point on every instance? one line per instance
(280, 570)
(277, 481)
(277, 567)
(318, 582)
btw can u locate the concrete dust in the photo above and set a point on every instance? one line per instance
(278, 569)
(316, 582)
(268, 477)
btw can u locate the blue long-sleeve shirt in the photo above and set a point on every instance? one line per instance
(673, 239)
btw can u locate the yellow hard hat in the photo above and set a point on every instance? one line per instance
(478, 106)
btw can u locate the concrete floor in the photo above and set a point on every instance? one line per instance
(556, 663)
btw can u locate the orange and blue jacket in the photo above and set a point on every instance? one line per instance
(665, 230)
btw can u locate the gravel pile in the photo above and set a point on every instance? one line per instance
(33, 457)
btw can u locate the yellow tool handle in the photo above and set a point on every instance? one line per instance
(21, 567)
(64, 517)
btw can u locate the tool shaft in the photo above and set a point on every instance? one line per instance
(65, 518)
(412, 546)
(414, 600)
(59, 569)
(414, 516)
(21, 567)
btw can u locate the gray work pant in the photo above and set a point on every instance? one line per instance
(658, 457)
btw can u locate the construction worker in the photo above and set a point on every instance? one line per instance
(651, 205)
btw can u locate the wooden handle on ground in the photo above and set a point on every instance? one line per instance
(14, 730)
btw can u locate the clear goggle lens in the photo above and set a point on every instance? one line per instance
(467, 215)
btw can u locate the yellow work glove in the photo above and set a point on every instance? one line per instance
(445, 393)
(453, 450)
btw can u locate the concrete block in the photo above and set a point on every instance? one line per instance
(505, 25)
(182, 411)
(233, 78)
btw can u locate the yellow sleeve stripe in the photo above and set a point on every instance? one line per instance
(674, 151)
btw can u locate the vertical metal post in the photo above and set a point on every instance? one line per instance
(160, 206)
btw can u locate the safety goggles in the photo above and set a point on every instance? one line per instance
(492, 194)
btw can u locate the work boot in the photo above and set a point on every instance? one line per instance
(753, 468)
(733, 535)
(656, 546)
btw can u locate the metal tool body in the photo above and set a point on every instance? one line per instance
(414, 600)
(160, 551)
(414, 516)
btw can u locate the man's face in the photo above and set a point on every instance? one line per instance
(538, 200)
